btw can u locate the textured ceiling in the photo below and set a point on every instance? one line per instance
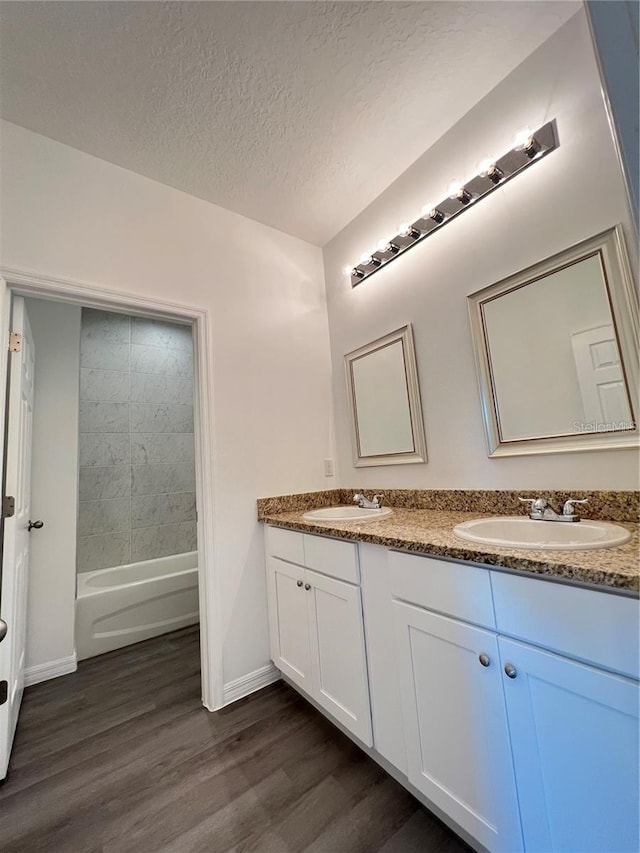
(297, 114)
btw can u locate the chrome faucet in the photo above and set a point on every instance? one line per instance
(363, 503)
(541, 510)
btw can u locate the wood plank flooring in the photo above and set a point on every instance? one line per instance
(121, 756)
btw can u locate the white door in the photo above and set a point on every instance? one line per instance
(288, 626)
(15, 554)
(574, 732)
(338, 658)
(602, 387)
(455, 722)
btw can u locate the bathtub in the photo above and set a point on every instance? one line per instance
(127, 604)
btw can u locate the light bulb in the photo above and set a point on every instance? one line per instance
(383, 245)
(484, 166)
(407, 230)
(348, 271)
(365, 259)
(521, 138)
(487, 169)
(495, 174)
(458, 191)
(524, 140)
(431, 211)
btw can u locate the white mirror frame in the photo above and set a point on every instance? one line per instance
(624, 311)
(419, 452)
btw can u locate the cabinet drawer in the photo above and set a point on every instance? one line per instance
(286, 544)
(449, 588)
(596, 627)
(331, 557)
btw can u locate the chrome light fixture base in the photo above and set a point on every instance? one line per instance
(540, 143)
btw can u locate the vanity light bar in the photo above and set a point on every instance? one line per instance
(529, 148)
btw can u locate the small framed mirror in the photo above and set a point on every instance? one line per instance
(556, 348)
(384, 401)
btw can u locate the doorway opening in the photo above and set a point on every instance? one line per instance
(137, 454)
(136, 551)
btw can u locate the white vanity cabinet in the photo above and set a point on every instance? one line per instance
(316, 626)
(574, 736)
(508, 704)
(289, 621)
(574, 724)
(524, 731)
(455, 721)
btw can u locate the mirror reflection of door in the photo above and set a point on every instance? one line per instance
(600, 377)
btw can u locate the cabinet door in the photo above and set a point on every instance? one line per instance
(455, 724)
(338, 660)
(574, 733)
(288, 626)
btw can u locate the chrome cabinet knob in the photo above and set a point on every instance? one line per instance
(35, 525)
(510, 671)
(307, 586)
(299, 583)
(3, 630)
(484, 659)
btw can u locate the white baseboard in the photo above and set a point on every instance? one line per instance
(51, 669)
(247, 684)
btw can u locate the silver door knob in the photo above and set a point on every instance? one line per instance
(299, 583)
(307, 586)
(35, 525)
(510, 671)
(484, 659)
(3, 630)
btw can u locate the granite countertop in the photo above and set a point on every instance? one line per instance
(430, 532)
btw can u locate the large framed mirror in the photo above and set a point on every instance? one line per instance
(384, 402)
(556, 348)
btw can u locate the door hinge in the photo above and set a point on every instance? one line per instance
(4, 691)
(8, 506)
(15, 341)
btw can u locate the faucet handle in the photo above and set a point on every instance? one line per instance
(358, 496)
(538, 506)
(377, 499)
(567, 509)
(536, 503)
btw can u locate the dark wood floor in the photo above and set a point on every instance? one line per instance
(121, 756)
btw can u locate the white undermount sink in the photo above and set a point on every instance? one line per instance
(519, 532)
(346, 513)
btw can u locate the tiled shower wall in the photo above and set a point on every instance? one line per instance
(137, 474)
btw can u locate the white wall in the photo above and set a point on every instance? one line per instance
(572, 194)
(71, 215)
(54, 482)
